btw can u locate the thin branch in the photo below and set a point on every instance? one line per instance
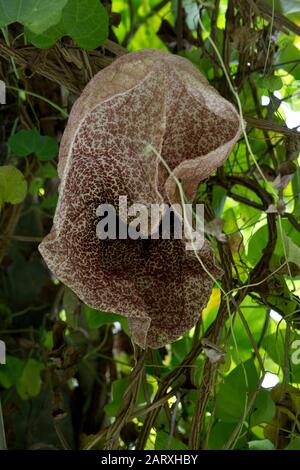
(279, 19)
(267, 125)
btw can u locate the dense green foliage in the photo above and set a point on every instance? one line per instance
(72, 378)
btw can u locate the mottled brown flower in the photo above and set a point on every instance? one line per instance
(143, 97)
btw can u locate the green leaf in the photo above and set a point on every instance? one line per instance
(13, 186)
(180, 349)
(270, 82)
(220, 435)
(48, 38)
(117, 395)
(47, 148)
(292, 250)
(294, 444)
(86, 21)
(230, 221)
(264, 408)
(218, 199)
(255, 317)
(11, 371)
(274, 346)
(29, 383)
(280, 298)
(50, 203)
(36, 15)
(289, 56)
(47, 171)
(231, 398)
(195, 56)
(162, 439)
(96, 318)
(243, 213)
(256, 245)
(26, 142)
(263, 444)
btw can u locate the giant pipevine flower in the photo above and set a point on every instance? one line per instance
(145, 98)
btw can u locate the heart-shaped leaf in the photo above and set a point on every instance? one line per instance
(36, 15)
(27, 142)
(86, 21)
(24, 143)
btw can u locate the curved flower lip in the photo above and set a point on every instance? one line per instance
(145, 97)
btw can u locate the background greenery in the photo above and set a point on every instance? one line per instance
(72, 379)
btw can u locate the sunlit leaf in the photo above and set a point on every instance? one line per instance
(11, 371)
(13, 186)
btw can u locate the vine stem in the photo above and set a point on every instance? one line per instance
(111, 434)
(206, 382)
(42, 98)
